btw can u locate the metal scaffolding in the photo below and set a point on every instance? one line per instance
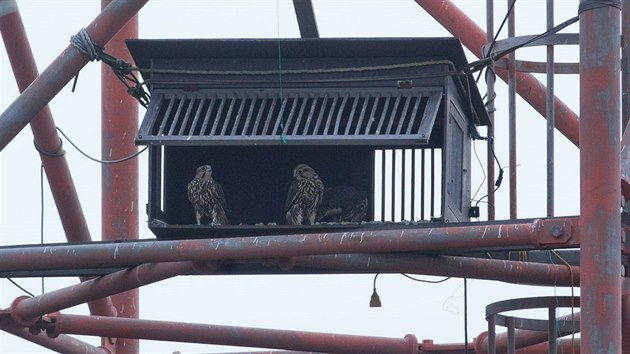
(122, 263)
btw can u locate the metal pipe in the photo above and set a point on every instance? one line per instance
(625, 64)
(459, 267)
(490, 79)
(600, 252)
(46, 138)
(565, 345)
(550, 115)
(528, 87)
(625, 323)
(62, 344)
(63, 69)
(25, 310)
(229, 335)
(523, 338)
(552, 331)
(485, 237)
(511, 349)
(119, 182)
(512, 113)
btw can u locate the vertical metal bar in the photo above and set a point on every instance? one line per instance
(383, 115)
(414, 113)
(228, 115)
(553, 331)
(550, 116)
(193, 125)
(403, 115)
(339, 113)
(383, 169)
(372, 114)
(625, 64)
(248, 119)
(393, 115)
(423, 181)
(311, 112)
(239, 114)
(490, 79)
(45, 134)
(217, 117)
(512, 114)
(320, 116)
(169, 109)
(119, 182)
(350, 117)
(432, 182)
(402, 185)
(182, 128)
(511, 340)
(413, 185)
(287, 125)
(600, 220)
(208, 116)
(625, 324)
(301, 114)
(492, 345)
(357, 129)
(393, 174)
(260, 113)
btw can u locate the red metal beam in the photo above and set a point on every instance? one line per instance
(600, 220)
(45, 134)
(625, 323)
(527, 86)
(62, 344)
(63, 69)
(27, 310)
(119, 182)
(565, 345)
(461, 267)
(522, 235)
(229, 335)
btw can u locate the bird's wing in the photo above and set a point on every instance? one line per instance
(220, 194)
(291, 196)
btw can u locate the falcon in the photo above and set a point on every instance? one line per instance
(305, 195)
(343, 204)
(206, 196)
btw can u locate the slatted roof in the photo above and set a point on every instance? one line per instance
(328, 91)
(262, 117)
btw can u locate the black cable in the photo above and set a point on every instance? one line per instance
(97, 160)
(465, 316)
(494, 40)
(422, 280)
(21, 288)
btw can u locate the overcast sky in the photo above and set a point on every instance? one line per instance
(335, 304)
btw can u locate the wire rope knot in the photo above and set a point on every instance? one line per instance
(84, 44)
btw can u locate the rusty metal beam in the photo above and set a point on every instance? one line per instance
(546, 233)
(460, 267)
(27, 310)
(46, 138)
(119, 181)
(228, 335)
(490, 81)
(527, 86)
(62, 344)
(63, 69)
(600, 220)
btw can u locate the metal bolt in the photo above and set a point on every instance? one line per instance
(557, 231)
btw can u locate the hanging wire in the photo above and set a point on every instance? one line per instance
(425, 281)
(572, 297)
(494, 40)
(21, 288)
(283, 99)
(97, 160)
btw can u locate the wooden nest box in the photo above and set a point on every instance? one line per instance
(385, 120)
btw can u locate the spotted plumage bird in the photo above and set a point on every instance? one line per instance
(206, 196)
(305, 195)
(343, 204)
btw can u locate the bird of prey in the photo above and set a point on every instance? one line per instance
(206, 196)
(343, 204)
(305, 195)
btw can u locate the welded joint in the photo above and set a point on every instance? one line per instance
(549, 233)
(14, 309)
